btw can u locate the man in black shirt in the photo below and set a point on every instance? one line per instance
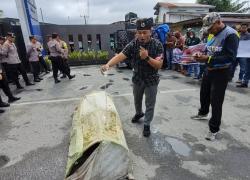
(146, 55)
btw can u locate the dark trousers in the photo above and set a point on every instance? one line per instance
(43, 63)
(213, 87)
(58, 64)
(164, 65)
(150, 99)
(246, 77)
(202, 69)
(242, 63)
(169, 55)
(35, 66)
(66, 65)
(13, 70)
(5, 87)
(4, 67)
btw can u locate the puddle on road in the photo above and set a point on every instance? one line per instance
(86, 75)
(178, 146)
(106, 86)
(3, 160)
(125, 79)
(84, 87)
(199, 147)
(160, 145)
(164, 145)
(110, 74)
(29, 90)
(115, 93)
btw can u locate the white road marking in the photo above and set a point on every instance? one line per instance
(77, 99)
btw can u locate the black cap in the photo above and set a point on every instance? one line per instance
(10, 34)
(2, 38)
(32, 37)
(54, 35)
(144, 24)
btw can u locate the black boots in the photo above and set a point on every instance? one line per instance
(136, 118)
(57, 81)
(72, 76)
(13, 99)
(4, 104)
(146, 131)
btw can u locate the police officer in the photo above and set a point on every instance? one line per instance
(56, 53)
(41, 59)
(14, 65)
(65, 55)
(33, 56)
(146, 55)
(3, 55)
(4, 85)
(221, 52)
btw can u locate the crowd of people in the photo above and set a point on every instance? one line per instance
(11, 66)
(211, 58)
(176, 59)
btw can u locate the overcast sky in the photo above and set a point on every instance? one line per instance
(100, 11)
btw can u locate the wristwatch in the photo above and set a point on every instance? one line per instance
(147, 59)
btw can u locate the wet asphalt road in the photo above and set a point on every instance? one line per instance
(34, 132)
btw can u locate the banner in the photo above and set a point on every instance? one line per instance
(244, 49)
(27, 12)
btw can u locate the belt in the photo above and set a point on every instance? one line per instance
(220, 68)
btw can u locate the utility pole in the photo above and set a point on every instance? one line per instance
(42, 14)
(68, 20)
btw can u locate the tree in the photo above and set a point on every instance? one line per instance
(1, 13)
(227, 5)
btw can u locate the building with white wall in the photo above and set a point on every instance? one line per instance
(176, 12)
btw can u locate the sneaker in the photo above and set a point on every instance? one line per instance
(36, 80)
(137, 117)
(239, 82)
(4, 104)
(211, 136)
(200, 117)
(242, 86)
(2, 111)
(13, 99)
(146, 131)
(40, 78)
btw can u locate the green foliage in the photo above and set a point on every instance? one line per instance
(89, 55)
(227, 5)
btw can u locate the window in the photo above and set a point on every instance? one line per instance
(80, 42)
(89, 38)
(71, 43)
(98, 42)
(112, 41)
